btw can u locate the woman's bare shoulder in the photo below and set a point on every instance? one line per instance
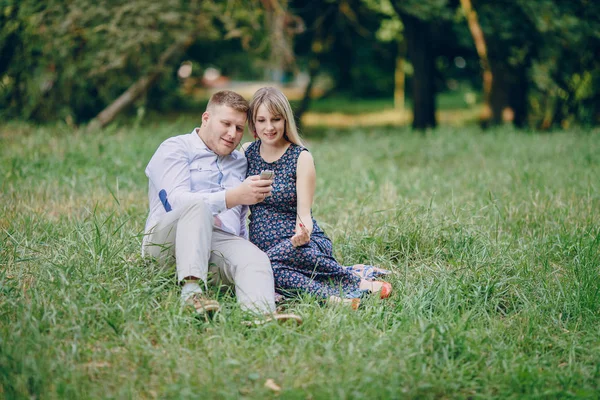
(245, 146)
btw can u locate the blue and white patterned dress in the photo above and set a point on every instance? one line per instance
(312, 267)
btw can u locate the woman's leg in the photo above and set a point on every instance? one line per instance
(289, 280)
(307, 268)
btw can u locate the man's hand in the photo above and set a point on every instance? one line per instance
(253, 190)
(301, 237)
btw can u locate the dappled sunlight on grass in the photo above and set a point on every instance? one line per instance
(74, 208)
(387, 117)
(346, 112)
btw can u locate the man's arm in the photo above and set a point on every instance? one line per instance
(169, 170)
(253, 190)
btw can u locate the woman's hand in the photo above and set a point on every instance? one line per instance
(301, 237)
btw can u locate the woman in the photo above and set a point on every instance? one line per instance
(282, 225)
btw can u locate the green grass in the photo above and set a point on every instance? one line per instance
(494, 238)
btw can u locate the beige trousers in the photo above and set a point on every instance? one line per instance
(199, 248)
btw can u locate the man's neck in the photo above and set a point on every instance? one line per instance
(199, 133)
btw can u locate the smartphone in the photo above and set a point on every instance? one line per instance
(267, 174)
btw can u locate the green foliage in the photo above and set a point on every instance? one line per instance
(424, 9)
(341, 35)
(493, 238)
(69, 59)
(567, 70)
(547, 47)
(554, 43)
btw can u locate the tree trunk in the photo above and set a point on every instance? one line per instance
(321, 43)
(481, 47)
(499, 94)
(519, 97)
(420, 51)
(141, 86)
(10, 44)
(283, 26)
(313, 70)
(399, 77)
(508, 96)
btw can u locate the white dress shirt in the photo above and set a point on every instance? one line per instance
(185, 170)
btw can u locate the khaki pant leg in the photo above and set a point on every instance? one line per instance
(242, 264)
(185, 233)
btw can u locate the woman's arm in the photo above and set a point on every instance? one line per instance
(306, 178)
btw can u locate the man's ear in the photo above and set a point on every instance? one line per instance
(205, 116)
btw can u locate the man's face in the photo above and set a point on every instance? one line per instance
(223, 129)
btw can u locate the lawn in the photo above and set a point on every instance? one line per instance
(494, 238)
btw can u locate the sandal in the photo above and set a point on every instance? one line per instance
(385, 290)
(202, 304)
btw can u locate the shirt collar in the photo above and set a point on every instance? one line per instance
(199, 143)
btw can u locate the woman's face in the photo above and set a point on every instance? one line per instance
(269, 128)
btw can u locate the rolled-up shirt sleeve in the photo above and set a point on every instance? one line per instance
(169, 170)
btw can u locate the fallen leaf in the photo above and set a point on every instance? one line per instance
(270, 384)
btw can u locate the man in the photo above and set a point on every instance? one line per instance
(199, 201)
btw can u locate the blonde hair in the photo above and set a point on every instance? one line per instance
(277, 104)
(229, 99)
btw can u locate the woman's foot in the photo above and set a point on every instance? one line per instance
(383, 288)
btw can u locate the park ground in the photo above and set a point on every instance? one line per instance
(493, 237)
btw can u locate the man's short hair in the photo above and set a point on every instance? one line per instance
(229, 99)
